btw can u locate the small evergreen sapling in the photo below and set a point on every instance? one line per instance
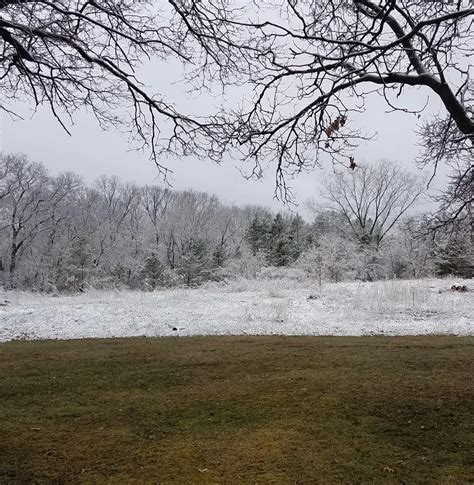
(155, 272)
(196, 264)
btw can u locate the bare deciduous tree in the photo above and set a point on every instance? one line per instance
(309, 66)
(26, 211)
(155, 201)
(312, 64)
(70, 55)
(456, 202)
(371, 200)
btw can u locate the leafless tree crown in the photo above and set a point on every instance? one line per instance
(372, 200)
(305, 68)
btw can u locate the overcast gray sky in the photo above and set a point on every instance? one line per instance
(91, 152)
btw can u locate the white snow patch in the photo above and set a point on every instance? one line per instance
(244, 307)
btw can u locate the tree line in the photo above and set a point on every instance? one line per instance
(59, 234)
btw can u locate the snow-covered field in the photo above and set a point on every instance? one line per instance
(244, 307)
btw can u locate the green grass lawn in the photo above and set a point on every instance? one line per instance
(238, 410)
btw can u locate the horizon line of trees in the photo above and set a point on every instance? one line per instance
(58, 234)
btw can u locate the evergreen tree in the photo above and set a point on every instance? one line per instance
(219, 256)
(75, 269)
(281, 244)
(155, 272)
(278, 226)
(298, 240)
(259, 235)
(456, 259)
(252, 235)
(119, 273)
(196, 264)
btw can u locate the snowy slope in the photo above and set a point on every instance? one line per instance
(245, 307)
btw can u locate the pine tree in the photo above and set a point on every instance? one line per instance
(280, 249)
(297, 238)
(259, 235)
(75, 269)
(196, 264)
(119, 273)
(155, 272)
(456, 259)
(278, 226)
(252, 235)
(219, 256)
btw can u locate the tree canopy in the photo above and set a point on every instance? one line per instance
(305, 69)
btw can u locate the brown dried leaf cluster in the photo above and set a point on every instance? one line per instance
(338, 123)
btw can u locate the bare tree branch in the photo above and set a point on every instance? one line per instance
(303, 70)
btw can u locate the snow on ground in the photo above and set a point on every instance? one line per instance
(244, 307)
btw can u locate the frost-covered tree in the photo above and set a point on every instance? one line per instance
(49, 222)
(189, 217)
(279, 243)
(455, 255)
(196, 264)
(29, 206)
(155, 272)
(411, 250)
(52, 242)
(281, 239)
(22, 206)
(299, 236)
(156, 202)
(258, 235)
(332, 258)
(75, 269)
(228, 235)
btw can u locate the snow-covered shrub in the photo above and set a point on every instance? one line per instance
(246, 266)
(332, 259)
